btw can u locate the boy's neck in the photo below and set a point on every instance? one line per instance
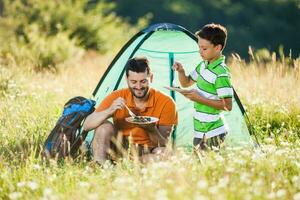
(214, 58)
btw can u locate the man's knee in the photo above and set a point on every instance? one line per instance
(106, 129)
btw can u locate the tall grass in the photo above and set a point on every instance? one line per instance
(30, 104)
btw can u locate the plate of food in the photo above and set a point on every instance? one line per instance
(141, 119)
(177, 89)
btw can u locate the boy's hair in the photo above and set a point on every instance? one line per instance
(215, 33)
(138, 64)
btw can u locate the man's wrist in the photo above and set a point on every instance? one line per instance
(152, 129)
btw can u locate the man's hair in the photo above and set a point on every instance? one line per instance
(138, 64)
(215, 33)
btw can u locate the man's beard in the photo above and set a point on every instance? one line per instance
(142, 95)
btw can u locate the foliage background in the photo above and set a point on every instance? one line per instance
(257, 23)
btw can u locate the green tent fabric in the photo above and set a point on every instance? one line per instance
(163, 44)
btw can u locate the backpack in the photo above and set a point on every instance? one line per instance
(67, 136)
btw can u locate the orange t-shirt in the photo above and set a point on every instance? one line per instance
(159, 105)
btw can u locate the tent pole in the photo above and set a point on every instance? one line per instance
(172, 77)
(131, 55)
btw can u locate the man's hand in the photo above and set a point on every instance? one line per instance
(116, 105)
(151, 127)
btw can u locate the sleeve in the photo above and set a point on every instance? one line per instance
(223, 86)
(106, 102)
(195, 73)
(169, 114)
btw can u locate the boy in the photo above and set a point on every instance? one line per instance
(214, 91)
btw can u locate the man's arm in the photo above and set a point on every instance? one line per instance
(97, 118)
(158, 135)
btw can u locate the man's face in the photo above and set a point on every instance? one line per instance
(208, 51)
(138, 83)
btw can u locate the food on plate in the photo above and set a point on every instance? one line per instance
(141, 119)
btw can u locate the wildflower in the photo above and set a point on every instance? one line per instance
(297, 196)
(15, 195)
(230, 170)
(213, 190)
(32, 185)
(200, 197)
(21, 184)
(281, 193)
(161, 194)
(223, 182)
(202, 184)
(47, 192)
(179, 190)
(93, 196)
(36, 166)
(271, 195)
(84, 184)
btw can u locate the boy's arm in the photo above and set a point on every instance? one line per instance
(185, 81)
(222, 104)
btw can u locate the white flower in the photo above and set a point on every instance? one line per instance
(32, 185)
(36, 166)
(93, 196)
(200, 197)
(223, 182)
(161, 194)
(271, 195)
(281, 193)
(21, 184)
(47, 192)
(83, 184)
(202, 184)
(15, 195)
(213, 190)
(179, 190)
(297, 196)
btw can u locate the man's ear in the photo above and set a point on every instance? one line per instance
(151, 78)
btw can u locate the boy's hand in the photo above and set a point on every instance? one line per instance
(177, 66)
(193, 95)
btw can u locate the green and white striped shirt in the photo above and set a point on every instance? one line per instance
(213, 82)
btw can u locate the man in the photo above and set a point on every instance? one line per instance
(142, 101)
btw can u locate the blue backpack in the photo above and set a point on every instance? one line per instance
(67, 136)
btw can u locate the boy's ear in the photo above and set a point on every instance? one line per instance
(219, 47)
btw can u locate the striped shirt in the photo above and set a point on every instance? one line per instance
(213, 82)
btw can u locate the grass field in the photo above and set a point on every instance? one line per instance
(30, 104)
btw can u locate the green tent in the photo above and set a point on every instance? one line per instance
(163, 44)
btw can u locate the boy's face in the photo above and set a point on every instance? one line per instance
(208, 51)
